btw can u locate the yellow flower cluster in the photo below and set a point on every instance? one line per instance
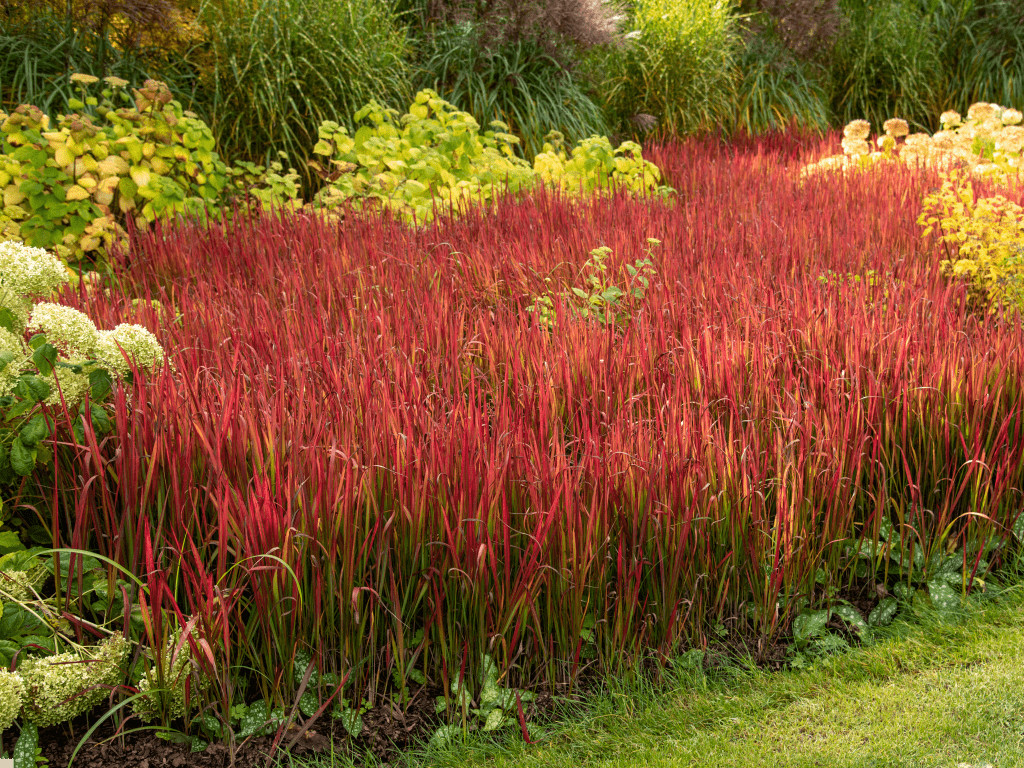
(989, 141)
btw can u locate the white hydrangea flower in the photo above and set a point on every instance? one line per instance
(15, 345)
(22, 585)
(12, 693)
(66, 685)
(983, 111)
(950, 119)
(26, 271)
(66, 328)
(857, 129)
(66, 386)
(9, 342)
(1012, 117)
(896, 127)
(129, 344)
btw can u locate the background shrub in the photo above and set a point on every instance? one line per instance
(549, 22)
(41, 41)
(777, 89)
(983, 51)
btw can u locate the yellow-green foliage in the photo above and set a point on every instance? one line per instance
(73, 186)
(436, 158)
(984, 237)
(594, 165)
(434, 155)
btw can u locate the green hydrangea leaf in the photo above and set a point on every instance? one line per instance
(9, 542)
(100, 384)
(38, 428)
(23, 458)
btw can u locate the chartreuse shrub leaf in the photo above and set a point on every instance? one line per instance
(437, 158)
(74, 186)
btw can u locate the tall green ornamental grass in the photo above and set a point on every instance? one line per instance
(279, 68)
(887, 62)
(776, 89)
(677, 64)
(518, 82)
(37, 51)
(983, 50)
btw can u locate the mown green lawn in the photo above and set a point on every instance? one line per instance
(934, 692)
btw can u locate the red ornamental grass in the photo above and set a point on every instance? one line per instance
(367, 447)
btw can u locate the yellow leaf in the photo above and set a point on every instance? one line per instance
(77, 193)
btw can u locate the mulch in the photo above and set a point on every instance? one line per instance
(386, 732)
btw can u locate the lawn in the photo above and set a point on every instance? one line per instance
(933, 693)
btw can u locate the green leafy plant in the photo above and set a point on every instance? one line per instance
(489, 710)
(599, 300)
(944, 576)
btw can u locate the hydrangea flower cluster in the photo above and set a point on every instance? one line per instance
(989, 141)
(22, 585)
(27, 272)
(61, 687)
(179, 670)
(12, 694)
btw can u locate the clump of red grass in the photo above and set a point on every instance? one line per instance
(368, 449)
